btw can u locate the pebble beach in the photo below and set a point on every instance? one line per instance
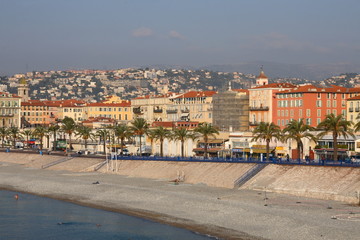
(220, 212)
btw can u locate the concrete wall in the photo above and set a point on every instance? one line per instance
(335, 183)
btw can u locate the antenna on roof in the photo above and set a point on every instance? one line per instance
(262, 68)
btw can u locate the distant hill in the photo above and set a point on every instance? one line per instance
(283, 70)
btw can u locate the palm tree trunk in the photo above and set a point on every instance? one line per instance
(335, 147)
(48, 141)
(205, 147)
(182, 148)
(161, 147)
(299, 150)
(54, 143)
(121, 146)
(140, 145)
(267, 149)
(85, 144)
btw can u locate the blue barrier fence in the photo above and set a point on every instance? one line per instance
(242, 160)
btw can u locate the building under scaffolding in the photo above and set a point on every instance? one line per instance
(231, 110)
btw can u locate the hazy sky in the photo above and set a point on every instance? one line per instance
(107, 34)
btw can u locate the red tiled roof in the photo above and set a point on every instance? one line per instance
(262, 75)
(354, 98)
(163, 124)
(98, 119)
(312, 88)
(9, 95)
(193, 94)
(276, 85)
(59, 103)
(101, 104)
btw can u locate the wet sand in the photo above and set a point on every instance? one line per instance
(221, 212)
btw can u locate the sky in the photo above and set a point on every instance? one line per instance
(41, 35)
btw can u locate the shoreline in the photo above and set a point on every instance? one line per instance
(211, 231)
(219, 212)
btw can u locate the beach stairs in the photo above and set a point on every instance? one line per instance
(249, 174)
(100, 165)
(56, 162)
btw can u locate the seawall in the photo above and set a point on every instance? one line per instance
(331, 183)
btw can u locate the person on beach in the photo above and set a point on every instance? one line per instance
(16, 196)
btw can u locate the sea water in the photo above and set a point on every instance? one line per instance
(33, 217)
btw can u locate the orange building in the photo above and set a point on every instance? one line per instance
(310, 103)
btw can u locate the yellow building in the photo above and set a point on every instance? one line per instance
(10, 110)
(74, 109)
(119, 111)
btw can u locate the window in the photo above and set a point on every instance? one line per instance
(278, 122)
(343, 112)
(334, 103)
(319, 95)
(286, 113)
(300, 112)
(334, 95)
(308, 112)
(308, 121)
(278, 113)
(300, 103)
(343, 104)
(334, 112)
(282, 113)
(291, 113)
(318, 103)
(318, 120)
(319, 112)
(329, 95)
(328, 103)
(328, 111)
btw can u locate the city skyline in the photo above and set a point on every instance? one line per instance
(44, 35)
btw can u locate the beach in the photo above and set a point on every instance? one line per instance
(222, 212)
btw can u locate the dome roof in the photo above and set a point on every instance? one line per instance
(22, 81)
(262, 75)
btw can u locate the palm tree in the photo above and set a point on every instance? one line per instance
(28, 134)
(3, 134)
(266, 131)
(206, 130)
(40, 132)
(122, 132)
(14, 132)
(103, 135)
(139, 127)
(53, 128)
(161, 134)
(182, 134)
(152, 136)
(85, 133)
(68, 127)
(337, 126)
(297, 130)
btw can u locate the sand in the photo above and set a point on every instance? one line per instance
(225, 213)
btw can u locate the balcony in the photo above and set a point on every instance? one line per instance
(253, 123)
(137, 110)
(171, 111)
(6, 115)
(158, 110)
(185, 110)
(261, 108)
(357, 109)
(351, 109)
